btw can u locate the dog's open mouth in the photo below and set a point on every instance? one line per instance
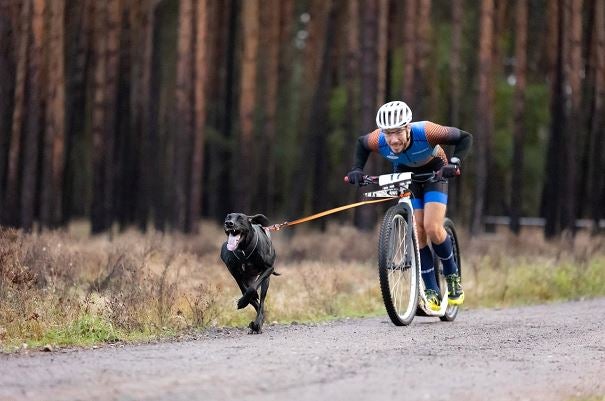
(233, 240)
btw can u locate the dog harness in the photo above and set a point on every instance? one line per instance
(255, 228)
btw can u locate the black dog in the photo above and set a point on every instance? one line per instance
(249, 256)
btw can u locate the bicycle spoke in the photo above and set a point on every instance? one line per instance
(398, 278)
(397, 268)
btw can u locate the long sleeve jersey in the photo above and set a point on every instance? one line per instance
(423, 153)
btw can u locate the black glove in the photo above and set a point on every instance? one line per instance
(355, 176)
(449, 170)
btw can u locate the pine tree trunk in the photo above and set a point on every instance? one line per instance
(409, 40)
(200, 79)
(54, 140)
(99, 114)
(12, 207)
(244, 187)
(516, 205)
(352, 82)
(455, 98)
(184, 120)
(272, 27)
(113, 32)
(551, 198)
(142, 99)
(421, 107)
(484, 113)
(596, 193)
(455, 62)
(573, 71)
(34, 118)
(317, 161)
(222, 28)
(79, 32)
(7, 89)
(365, 218)
(382, 47)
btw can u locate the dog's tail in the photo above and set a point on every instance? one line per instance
(276, 273)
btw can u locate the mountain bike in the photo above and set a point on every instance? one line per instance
(399, 255)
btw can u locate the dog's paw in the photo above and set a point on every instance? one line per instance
(242, 303)
(254, 328)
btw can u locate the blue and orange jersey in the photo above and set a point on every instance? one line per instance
(424, 153)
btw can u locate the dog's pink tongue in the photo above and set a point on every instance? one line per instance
(232, 242)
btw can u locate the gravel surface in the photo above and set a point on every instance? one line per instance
(544, 352)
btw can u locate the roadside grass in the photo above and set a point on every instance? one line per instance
(62, 288)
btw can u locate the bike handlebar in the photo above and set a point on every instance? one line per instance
(373, 179)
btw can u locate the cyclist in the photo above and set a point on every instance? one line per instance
(415, 147)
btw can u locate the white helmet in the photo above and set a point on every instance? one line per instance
(393, 115)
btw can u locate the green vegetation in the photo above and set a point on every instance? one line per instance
(60, 289)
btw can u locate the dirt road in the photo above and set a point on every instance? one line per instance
(546, 352)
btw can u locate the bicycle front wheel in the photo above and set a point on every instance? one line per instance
(398, 266)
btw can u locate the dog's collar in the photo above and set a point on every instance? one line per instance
(244, 252)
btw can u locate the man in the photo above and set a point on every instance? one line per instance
(415, 146)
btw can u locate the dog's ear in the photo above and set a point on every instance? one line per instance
(259, 219)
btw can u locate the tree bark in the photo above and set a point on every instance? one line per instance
(455, 62)
(184, 114)
(200, 78)
(484, 113)
(382, 50)
(142, 98)
(272, 79)
(80, 51)
(54, 139)
(99, 114)
(8, 13)
(551, 198)
(12, 206)
(365, 218)
(34, 118)
(113, 32)
(516, 201)
(244, 187)
(317, 158)
(409, 57)
(422, 94)
(455, 97)
(596, 193)
(573, 71)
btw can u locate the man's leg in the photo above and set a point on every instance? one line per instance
(427, 268)
(443, 247)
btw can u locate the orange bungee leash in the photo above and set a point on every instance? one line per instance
(279, 226)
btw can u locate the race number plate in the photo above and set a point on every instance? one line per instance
(389, 179)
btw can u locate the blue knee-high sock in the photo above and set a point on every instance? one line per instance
(427, 269)
(445, 252)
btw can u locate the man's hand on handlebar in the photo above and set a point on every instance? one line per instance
(355, 177)
(451, 169)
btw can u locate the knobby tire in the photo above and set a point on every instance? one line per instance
(398, 266)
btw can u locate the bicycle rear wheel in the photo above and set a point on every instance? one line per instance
(398, 266)
(452, 310)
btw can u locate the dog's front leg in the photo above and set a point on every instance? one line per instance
(251, 292)
(249, 296)
(257, 325)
